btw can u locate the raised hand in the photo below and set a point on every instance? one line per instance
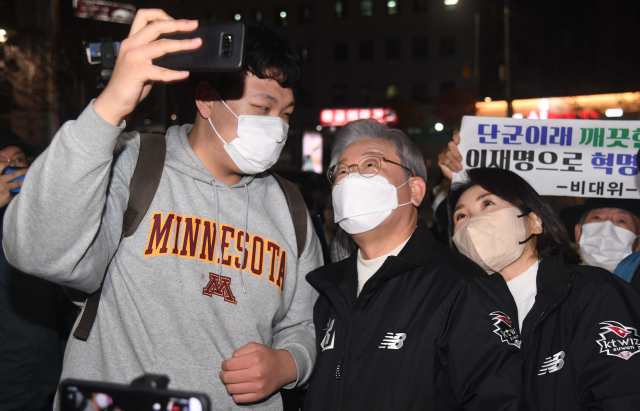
(450, 159)
(134, 72)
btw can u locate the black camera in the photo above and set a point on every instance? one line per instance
(146, 393)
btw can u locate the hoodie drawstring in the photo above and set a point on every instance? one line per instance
(244, 240)
(217, 230)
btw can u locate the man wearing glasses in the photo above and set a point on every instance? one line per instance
(404, 323)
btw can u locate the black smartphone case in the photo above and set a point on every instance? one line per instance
(210, 56)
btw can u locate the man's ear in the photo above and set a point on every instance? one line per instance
(418, 190)
(536, 227)
(205, 97)
(577, 231)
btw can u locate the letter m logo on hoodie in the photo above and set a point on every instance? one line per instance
(220, 286)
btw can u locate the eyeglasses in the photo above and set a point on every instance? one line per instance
(367, 167)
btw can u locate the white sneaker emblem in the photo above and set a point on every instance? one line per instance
(393, 341)
(552, 364)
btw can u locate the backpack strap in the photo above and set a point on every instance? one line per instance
(298, 210)
(142, 188)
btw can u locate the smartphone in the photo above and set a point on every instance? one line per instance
(11, 170)
(94, 51)
(222, 48)
(79, 395)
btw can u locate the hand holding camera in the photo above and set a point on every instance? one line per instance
(134, 72)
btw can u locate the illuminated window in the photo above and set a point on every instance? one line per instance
(282, 17)
(340, 51)
(392, 7)
(393, 91)
(448, 46)
(366, 8)
(365, 50)
(419, 47)
(340, 9)
(392, 48)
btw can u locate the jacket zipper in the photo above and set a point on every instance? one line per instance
(344, 346)
(533, 331)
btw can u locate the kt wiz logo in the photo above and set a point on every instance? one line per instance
(504, 328)
(618, 340)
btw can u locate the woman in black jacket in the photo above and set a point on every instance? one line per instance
(578, 324)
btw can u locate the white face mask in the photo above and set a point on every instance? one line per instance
(259, 143)
(361, 204)
(493, 240)
(605, 244)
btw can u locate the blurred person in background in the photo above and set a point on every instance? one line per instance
(32, 311)
(605, 230)
(578, 323)
(394, 320)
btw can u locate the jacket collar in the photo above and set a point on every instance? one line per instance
(552, 281)
(340, 280)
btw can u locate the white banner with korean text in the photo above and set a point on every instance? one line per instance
(579, 158)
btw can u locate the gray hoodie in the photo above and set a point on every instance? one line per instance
(167, 304)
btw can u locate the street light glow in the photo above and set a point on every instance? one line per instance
(614, 112)
(319, 127)
(487, 99)
(237, 17)
(391, 4)
(450, 2)
(439, 127)
(3, 32)
(283, 14)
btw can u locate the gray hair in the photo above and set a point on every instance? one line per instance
(410, 155)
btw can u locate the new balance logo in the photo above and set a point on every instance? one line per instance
(393, 341)
(329, 337)
(552, 364)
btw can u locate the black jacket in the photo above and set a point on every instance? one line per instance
(429, 331)
(580, 341)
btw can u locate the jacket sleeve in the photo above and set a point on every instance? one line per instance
(483, 362)
(295, 332)
(606, 348)
(54, 228)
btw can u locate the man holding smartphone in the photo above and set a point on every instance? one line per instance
(210, 289)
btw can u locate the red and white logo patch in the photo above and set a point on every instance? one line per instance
(618, 340)
(504, 328)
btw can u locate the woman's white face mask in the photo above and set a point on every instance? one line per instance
(493, 240)
(603, 244)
